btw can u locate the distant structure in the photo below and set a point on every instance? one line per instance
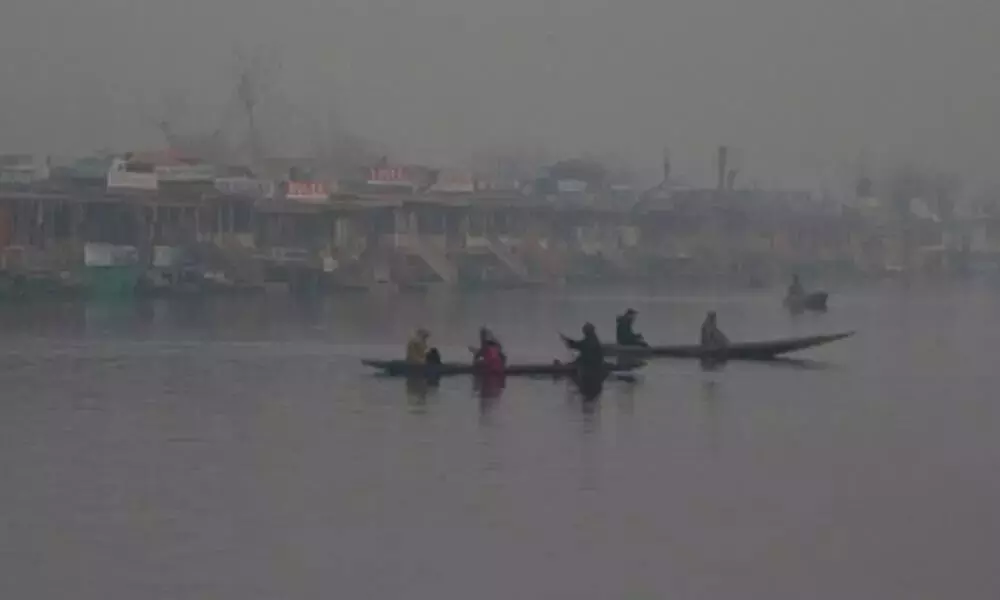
(722, 159)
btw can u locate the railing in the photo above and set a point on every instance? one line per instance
(287, 254)
(500, 250)
(435, 258)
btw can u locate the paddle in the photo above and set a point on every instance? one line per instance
(568, 342)
(623, 377)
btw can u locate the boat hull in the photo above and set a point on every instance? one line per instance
(767, 350)
(815, 301)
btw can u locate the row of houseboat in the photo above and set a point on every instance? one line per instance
(156, 223)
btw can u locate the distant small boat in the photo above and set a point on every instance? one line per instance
(813, 301)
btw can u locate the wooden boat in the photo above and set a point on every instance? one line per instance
(813, 301)
(768, 350)
(402, 368)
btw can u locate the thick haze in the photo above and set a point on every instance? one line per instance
(795, 85)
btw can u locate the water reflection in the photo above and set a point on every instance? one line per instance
(488, 396)
(625, 397)
(590, 440)
(710, 364)
(486, 407)
(800, 363)
(709, 392)
(418, 390)
(590, 387)
(490, 387)
(712, 402)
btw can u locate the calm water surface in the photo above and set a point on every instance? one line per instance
(237, 450)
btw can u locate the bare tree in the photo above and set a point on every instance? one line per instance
(164, 114)
(939, 189)
(170, 117)
(946, 189)
(511, 164)
(171, 109)
(343, 150)
(255, 76)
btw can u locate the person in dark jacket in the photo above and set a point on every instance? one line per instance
(590, 354)
(795, 291)
(711, 336)
(624, 333)
(433, 357)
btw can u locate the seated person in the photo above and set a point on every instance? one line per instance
(795, 291)
(711, 335)
(433, 357)
(416, 348)
(624, 334)
(490, 354)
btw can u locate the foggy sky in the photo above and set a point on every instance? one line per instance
(795, 85)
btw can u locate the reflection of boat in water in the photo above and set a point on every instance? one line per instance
(813, 301)
(402, 368)
(766, 350)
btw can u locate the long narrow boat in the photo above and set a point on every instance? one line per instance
(401, 368)
(767, 350)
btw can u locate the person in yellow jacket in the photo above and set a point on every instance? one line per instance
(416, 348)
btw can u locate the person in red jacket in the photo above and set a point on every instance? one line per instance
(490, 354)
(492, 360)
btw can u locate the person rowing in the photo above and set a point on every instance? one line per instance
(590, 353)
(711, 336)
(625, 335)
(589, 362)
(796, 296)
(489, 356)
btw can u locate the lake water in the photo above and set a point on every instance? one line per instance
(236, 449)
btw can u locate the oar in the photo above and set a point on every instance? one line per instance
(565, 340)
(624, 377)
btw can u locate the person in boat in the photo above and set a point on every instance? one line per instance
(590, 354)
(433, 357)
(795, 291)
(625, 335)
(417, 349)
(487, 341)
(489, 356)
(711, 335)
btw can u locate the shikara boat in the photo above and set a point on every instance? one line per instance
(767, 350)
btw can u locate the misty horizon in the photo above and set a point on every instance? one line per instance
(800, 91)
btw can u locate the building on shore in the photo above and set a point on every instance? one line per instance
(154, 223)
